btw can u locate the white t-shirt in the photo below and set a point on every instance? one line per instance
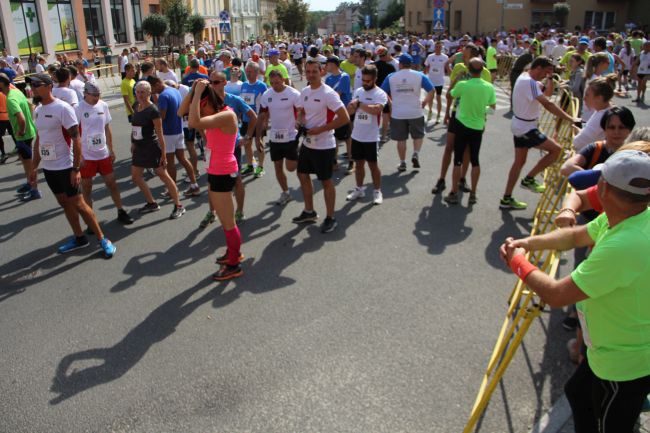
(296, 50)
(405, 87)
(644, 63)
(93, 120)
(319, 43)
(66, 94)
(357, 79)
(258, 49)
(50, 121)
(287, 64)
(366, 125)
(436, 65)
(320, 106)
(344, 52)
(626, 57)
(184, 91)
(558, 51)
(282, 113)
(319, 58)
(169, 75)
(547, 47)
(78, 86)
(123, 61)
(525, 106)
(39, 68)
(591, 133)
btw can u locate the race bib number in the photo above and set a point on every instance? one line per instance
(405, 88)
(362, 118)
(279, 135)
(136, 133)
(435, 70)
(414, 53)
(96, 142)
(48, 151)
(585, 329)
(248, 98)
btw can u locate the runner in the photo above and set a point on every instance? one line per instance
(434, 67)
(63, 90)
(209, 113)
(97, 148)
(297, 50)
(527, 100)
(275, 64)
(148, 150)
(59, 147)
(340, 83)
(251, 91)
(642, 72)
(405, 87)
(127, 89)
(367, 106)
(321, 112)
(164, 73)
(278, 105)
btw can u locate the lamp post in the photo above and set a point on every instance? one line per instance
(449, 19)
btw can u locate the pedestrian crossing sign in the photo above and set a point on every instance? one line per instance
(437, 26)
(224, 27)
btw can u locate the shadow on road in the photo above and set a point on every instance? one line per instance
(513, 226)
(439, 226)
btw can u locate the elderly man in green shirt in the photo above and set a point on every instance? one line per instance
(475, 94)
(611, 291)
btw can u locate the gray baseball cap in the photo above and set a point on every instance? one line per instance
(91, 88)
(626, 168)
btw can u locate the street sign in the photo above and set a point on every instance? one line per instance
(437, 26)
(439, 4)
(224, 15)
(224, 27)
(367, 20)
(438, 14)
(514, 6)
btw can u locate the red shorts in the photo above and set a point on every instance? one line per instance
(91, 168)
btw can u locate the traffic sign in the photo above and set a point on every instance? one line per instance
(437, 26)
(224, 15)
(514, 5)
(367, 20)
(438, 14)
(439, 4)
(224, 27)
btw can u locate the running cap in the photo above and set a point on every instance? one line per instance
(91, 89)
(584, 40)
(405, 59)
(274, 52)
(623, 169)
(39, 79)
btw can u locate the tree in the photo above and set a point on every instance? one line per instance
(368, 7)
(394, 12)
(195, 26)
(313, 19)
(177, 12)
(155, 26)
(561, 11)
(267, 27)
(292, 15)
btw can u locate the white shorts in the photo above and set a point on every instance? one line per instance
(174, 143)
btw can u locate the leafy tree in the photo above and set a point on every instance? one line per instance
(368, 7)
(177, 13)
(313, 19)
(394, 12)
(267, 27)
(561, 11)
(155, 26)
(195, 25)
(292, 15)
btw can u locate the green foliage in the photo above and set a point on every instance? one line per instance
(155, 25)
(195, 25)
(313, 19)
(394, 12)
(292, 15)
(368, 7)
(561, 10)
(178, 13)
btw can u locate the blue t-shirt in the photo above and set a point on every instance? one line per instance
(10, 73)
(192, 77)
(251, 93)
(237, 105)
(169, 100)
(341, 85)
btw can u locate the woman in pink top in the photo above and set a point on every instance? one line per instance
(208, 112)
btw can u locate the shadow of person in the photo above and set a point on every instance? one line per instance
(439, 226)
(394, 184)
(515, 227)
(113, 362)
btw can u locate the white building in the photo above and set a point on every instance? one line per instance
(245, 19)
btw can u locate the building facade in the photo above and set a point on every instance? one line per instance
(483, 16)
(209, 10)
(245, 19)
(56, 26)
(268, 16)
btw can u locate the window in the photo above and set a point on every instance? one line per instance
(458, 20)
(59, 13)
(28, 30)
(419, 18)
(137, 20)
(410, 18)
(119, 25)
(600, 20)
(154, 9)
(542, 19)
(2, 38)
(94, 23)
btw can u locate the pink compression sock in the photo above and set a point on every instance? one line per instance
(233, 242)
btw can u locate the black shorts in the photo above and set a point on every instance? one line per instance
(297, 62)
(24, 148)
(364, 151)
(222, 182)
(5, 128)
(280, 151)
(625, 72)
(342, 133)
(467, 137)
(146, 156)
(244, 128)
(189, 134)
(438, 90)
(316, 161)
(59, 182)
(453, 123)
(532, 138)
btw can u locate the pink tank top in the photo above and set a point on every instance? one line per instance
(220, 152)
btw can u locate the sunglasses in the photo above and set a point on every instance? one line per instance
(216, 82)
(36, 85)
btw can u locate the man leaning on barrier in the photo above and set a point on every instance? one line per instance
(610, 289)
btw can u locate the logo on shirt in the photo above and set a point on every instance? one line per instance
(305, 98)
(86, 115)
(316, 100)
(270, 99)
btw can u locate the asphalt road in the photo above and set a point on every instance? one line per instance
(384, 325)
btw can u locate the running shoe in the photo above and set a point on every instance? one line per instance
(451, 198)
(246, 170)
(208, 219)
(356, 194)
(74, 243)
(462, 185)
(239, 217)
(223, 260)
(440, 187)
(350, 167)
(123, 217)
(646, 405)
(532, 184)
(192, 191)
(378, 197)
(165, 194)
(401, 166)
(328, 225)
(285, 198)
(306, 217)
(177, 212)
(24, 189)
(259, 172)
(510, 203)
(430, 115)
(108, 247)
(472, 198)
(227, 272)
(149, 207)
(31, 195)
(415, 161)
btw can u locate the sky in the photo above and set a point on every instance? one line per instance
(323, 5)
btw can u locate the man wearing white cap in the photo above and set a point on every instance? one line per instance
(608, 389)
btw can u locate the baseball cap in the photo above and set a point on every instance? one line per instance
(91, 89)
(626, 167)
(405, 59)
(584, 40)
(39, 79)
(274, 52)
(282, 46)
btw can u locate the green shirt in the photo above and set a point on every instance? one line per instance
(182, 61)
(471, 110)
(279, 67)
(17, 103)
(616, 317)
(636, 44)
(350, 69)
(491, 58)
(126, 89)
(461, 73)
(564, 61)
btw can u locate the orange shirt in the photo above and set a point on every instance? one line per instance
(3, 108)
(202, 70)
